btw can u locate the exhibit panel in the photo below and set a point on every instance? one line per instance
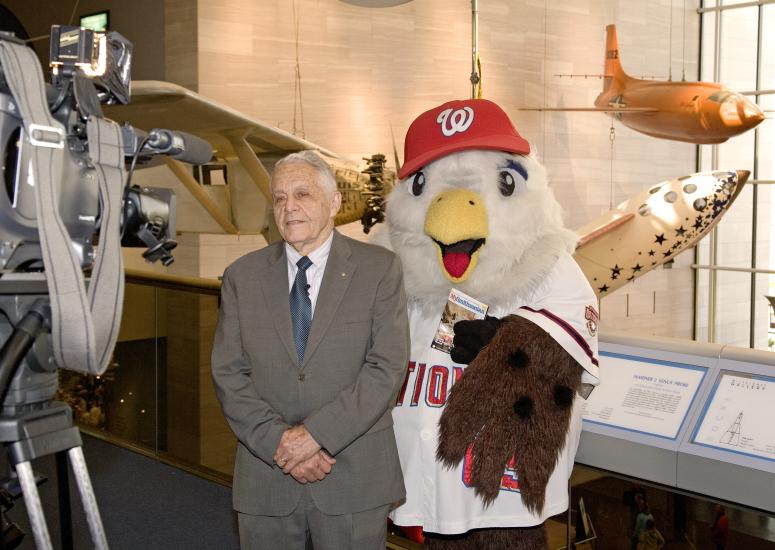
(730, 451)
(634, 421)
(696, 417)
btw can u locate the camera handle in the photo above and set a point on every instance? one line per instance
(19, 343)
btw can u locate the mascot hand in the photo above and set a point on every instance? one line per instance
(471, 337)
(513, 402)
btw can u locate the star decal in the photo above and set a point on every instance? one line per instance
(680, 231)
(660, 238)
(698, 222)
(603, 289)
(637, 268)
(630, 278)
(666, 254)
(651, 252)
(615, 271)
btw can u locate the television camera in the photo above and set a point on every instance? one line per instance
(67, 206)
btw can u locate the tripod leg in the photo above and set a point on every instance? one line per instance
(88, 499)
(65, 517)
(34, 507)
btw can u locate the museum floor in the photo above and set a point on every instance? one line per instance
(684, 521)
(150, 505)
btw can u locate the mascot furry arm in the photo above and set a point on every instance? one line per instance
(530, 381)
(487, 462)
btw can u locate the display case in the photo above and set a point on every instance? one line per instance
(697, 417)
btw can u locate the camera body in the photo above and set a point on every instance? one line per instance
(77, 189)
(88, 69)
(67, 206)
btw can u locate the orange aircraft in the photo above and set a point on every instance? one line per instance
(695, 112)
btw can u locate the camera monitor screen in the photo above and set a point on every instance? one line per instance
(96, 21)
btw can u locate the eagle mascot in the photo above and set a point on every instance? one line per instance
(487, 433)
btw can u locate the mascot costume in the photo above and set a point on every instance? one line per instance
(488, 460)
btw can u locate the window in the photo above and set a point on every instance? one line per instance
(735, 266)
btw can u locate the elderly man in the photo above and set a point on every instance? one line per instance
(310, 351)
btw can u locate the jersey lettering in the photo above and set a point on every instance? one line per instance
(509, 481)
(418, 385)
(434, 388)
(436, 394)
(457, 373)
(409, 370)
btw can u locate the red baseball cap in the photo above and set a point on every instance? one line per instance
(457, 126)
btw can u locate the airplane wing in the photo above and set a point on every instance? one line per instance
(592, 109)
(757, 92)
(157, 104)
(590, 234)
(249, 148)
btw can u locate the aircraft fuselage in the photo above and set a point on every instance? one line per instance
(695, 112)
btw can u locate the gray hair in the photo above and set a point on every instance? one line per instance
(309, 157)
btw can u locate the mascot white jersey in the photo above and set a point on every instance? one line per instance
(474, 213)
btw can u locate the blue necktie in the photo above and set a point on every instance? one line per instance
(301, 307)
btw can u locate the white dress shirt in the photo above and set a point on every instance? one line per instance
(319, 257)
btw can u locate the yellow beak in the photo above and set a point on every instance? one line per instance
(457, 222)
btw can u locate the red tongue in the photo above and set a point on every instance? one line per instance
(456, 263)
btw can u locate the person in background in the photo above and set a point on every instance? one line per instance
(644, 514)
(632, 498)
(650, 538)
(719, 531)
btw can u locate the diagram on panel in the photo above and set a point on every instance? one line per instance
(732, 435)
(738, 396)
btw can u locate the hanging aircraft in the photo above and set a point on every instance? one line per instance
(653, 227)
(621, 245)
(253, 144)
(694, 112)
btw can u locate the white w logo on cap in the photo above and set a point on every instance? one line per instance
(455, 121)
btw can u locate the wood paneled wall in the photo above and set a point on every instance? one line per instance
(181, 42)
(367, 71)
(140, 21)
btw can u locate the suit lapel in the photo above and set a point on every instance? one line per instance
(336, 279)
(275, 289)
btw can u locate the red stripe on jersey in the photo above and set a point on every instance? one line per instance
(578, 338)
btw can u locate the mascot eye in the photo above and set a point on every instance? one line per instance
(418, 184)
(506, 183)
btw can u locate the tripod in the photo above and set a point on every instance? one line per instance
(31, 424)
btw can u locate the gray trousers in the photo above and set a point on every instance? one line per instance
(307, 527)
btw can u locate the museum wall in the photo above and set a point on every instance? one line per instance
(181, 42)
(141, 21)
(365, 72)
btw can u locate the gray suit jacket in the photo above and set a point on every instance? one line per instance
(343, 391)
